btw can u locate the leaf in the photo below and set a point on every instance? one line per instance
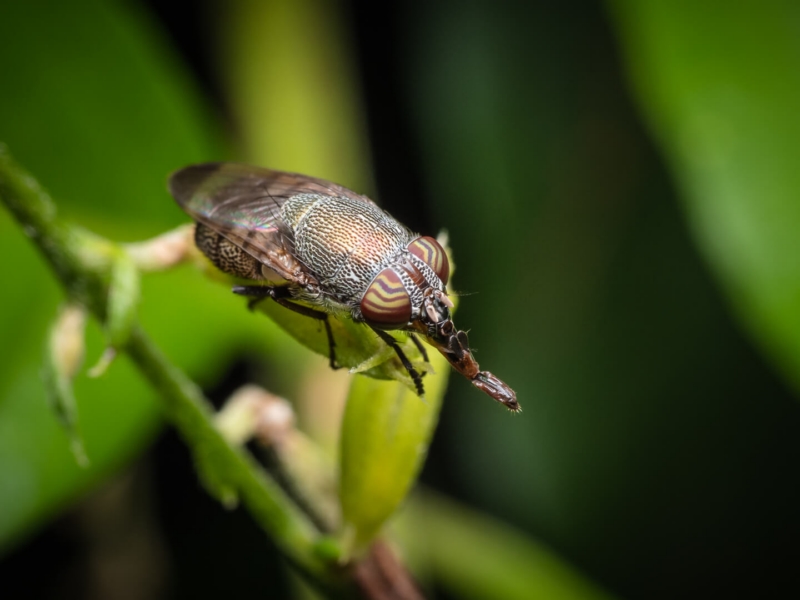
(476, 556)
(386, 431)
(357, 347)
(720, 90)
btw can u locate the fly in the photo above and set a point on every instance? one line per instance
(320, 249)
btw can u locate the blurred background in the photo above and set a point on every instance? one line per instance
(620, 186)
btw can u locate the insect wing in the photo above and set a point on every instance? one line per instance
(243, 204)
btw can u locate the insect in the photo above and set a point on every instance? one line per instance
(322, 250)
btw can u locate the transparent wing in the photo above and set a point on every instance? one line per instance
(243, 204)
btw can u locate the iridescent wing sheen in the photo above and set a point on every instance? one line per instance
(243, 204)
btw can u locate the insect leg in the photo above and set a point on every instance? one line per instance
(419, 346)
(415, 376)
(281, 295)
(256, 293)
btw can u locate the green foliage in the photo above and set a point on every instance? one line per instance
(229, 473)
(384, 440)
(479, 557)
(721, 91)
(358, 348)
(650, 424)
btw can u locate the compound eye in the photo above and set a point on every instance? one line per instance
(432, 254)
(386, 303)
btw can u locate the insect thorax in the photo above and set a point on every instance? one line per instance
(344, 242)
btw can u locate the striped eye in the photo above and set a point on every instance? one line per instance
(386, 303)
(432, 254)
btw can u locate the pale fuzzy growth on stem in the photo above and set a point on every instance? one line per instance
(253, 412)
(164, 251)
(65, 351)
(67, 340)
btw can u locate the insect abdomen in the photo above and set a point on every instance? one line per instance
(227, 256)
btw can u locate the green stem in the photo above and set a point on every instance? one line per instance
(189, 411)
(79, 258)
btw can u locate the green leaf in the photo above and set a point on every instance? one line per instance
(385, 436)
(477, 556)
(720, 89)
(291, 85)
(357, 347)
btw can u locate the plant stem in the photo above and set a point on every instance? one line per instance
(188, 410)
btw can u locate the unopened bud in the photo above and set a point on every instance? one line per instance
(253, 412)
(67, 342)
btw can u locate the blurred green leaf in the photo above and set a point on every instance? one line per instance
(291, 83)
(720, 87)
(476, 556)
(357, 346)
(94, 105)
(385, 436)
(593, 305)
